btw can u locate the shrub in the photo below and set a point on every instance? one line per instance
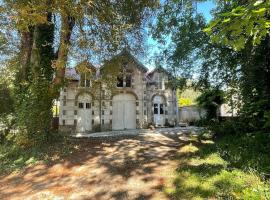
(210, 100)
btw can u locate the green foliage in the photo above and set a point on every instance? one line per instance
(184, 102)
(179, 27)
(187, 96)
(34, 113)
(244, 22)
(6, 100)
(34, 97)
(14, 157)
(267, 119)
(211, 100)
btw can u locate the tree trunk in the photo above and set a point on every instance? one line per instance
(68, 23)
(25, 55)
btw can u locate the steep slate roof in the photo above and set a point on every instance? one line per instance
(158, 69)
(71, 74)
(126, 53)
(85, 65)
(139, 64)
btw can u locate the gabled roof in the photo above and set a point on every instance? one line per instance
(71, 74)
(85, 66)
(126, 53)
(139, 64)
(160, 70)
(74, 73)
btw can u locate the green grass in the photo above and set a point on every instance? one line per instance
(14, 157)
(232, 167)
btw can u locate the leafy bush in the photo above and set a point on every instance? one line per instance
(211, 100)
(185, 102)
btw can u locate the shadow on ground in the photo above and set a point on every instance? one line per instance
(113, 168)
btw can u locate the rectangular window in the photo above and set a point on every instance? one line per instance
(64, 103)
(93, 121)
(161, 111)
(64, 122)
(103, 103)
(75, 112)
(102, 121)
(87, 105)
(155, 108)
(110, 122)
(93, 104)
(64, 112)
(80, 105)
(87, 83)
(75, 122)
(110, 103)
(144, 112)
(110, 112)
(76, 103)
(82, 80)
(102, 112)
(128, 81)
(120, 81)
(65, 89)
(93, 112)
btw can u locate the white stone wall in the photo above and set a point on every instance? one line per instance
(144, 106)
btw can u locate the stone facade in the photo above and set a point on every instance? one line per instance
(139, 98)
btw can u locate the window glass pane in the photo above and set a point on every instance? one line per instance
(128, 81)
(155, 108)
(88, 105)
(119, 81)
(82, 81)
(161, 109)
(87, 83)
(80, 105)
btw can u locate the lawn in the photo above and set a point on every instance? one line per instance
(231, 167)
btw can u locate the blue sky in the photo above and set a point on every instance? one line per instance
(204, 8)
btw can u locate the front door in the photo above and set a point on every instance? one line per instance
(124, 112)
(159, 115)
(84, 118)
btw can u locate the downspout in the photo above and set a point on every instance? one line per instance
(100, 106)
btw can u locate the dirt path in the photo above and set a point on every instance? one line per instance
(131, 168)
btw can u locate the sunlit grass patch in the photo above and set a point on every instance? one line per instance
(209, 171)
(190, 148)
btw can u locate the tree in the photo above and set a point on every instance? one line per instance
(42, 26)
(244, 27)
(211, 100)
(243, 21)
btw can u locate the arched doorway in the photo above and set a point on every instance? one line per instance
(159, 110)
(84, 117)
(124, 112)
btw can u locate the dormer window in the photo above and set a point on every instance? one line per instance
(125, 79)
(160, 79)
(120, 81)
(128, 80)
(85, 80)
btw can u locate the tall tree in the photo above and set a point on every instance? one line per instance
(98, 26)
